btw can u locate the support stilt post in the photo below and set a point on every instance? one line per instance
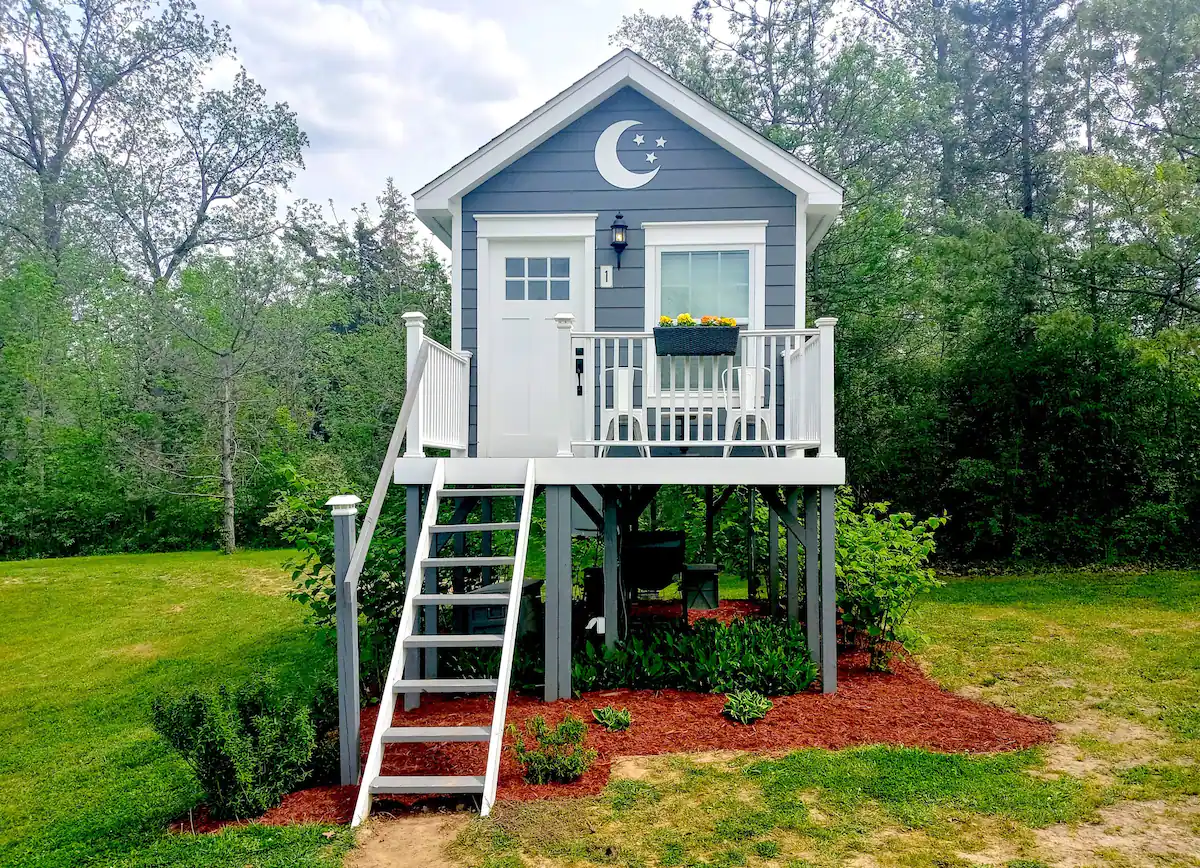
(751, 566)
(793, 595)
(345, 512)
(558, 592)
(412, 533)
(611, 601)
(828, 593)
(772, 562)
(812, 588)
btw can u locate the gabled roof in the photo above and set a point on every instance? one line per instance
(432, 202)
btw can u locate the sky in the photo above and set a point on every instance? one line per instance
(407, 88)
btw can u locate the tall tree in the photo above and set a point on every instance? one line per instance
(64, 64)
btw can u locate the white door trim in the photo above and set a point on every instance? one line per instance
(525, 227)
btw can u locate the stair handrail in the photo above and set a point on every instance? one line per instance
(496, 740)
(412, 394)
(387, 702)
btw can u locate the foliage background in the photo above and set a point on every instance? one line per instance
(1014, 272)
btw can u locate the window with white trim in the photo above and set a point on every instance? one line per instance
(705, 283)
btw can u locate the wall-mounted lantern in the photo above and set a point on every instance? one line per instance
(618, 236)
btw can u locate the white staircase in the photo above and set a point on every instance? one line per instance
(373, 783)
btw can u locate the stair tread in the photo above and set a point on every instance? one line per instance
(454, 640)
(480, 492)
(470, 561)
(479, 526)
(462, 599)
(384, 784)
(446, 685)
(408, 734)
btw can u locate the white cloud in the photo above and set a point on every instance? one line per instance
(406, 89)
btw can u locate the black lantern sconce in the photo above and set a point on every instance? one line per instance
(618, 237)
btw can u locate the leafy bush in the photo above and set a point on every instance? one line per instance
(613, 719)
(746, 706)
(754, 654)
(325, 764)
(247, 746)
(881, 570)
(553, 756)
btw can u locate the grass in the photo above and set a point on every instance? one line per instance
(1113, 657)
(84, 644)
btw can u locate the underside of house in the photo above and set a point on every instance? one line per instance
(624, 200)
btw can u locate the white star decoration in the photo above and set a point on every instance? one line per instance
(660, 142)
(650, 158)
(639, 139)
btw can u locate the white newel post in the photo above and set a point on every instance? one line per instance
(565, 322)
(345, 509)
(826, 324)
(415, 323)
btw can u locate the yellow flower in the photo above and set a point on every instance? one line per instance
(685, 319)
(665, 321)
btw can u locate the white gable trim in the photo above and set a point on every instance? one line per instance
(432, 201)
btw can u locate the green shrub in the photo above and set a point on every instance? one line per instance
(613, 719)
(552, 756)
(247, 746)
(881, 570)
(746, 706)
(325, 764)
(760, 654)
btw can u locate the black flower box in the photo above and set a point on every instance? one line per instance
(696, 340)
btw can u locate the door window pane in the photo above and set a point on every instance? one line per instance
(527, 278)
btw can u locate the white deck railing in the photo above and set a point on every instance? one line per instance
(441, 418)
(774, 393)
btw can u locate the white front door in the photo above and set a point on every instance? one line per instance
(529, 282)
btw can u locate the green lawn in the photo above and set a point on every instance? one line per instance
(1113, 657)
(85, 643)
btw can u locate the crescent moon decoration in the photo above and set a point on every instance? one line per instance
(610, 167)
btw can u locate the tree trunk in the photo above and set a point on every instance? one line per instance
(1026, 114)
(228, 446)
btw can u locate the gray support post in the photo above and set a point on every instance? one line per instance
(611, 602)
(793, 596)
(345, 509)
(709, 510)
(563, 547)
(558, 592)
(812, 589)
(772, 562)
(412, 532)
(828, 592)
(751, 567)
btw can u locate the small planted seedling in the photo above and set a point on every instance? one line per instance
(746, 706)
(613, 719)
(552, 755)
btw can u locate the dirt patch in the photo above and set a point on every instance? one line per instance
(1141, 833)
(1133, 742)
(415, 841)
(141, 651)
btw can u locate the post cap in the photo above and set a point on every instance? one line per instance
(564, 320)
(827, 321)
(344, 504)
(414, 317)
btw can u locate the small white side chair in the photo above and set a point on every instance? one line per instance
(749, 400)
(622, 410)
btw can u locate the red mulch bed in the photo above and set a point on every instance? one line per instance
(901, 708)
(726, 612)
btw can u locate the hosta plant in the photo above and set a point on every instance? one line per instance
(746, 706)
(613, 719)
